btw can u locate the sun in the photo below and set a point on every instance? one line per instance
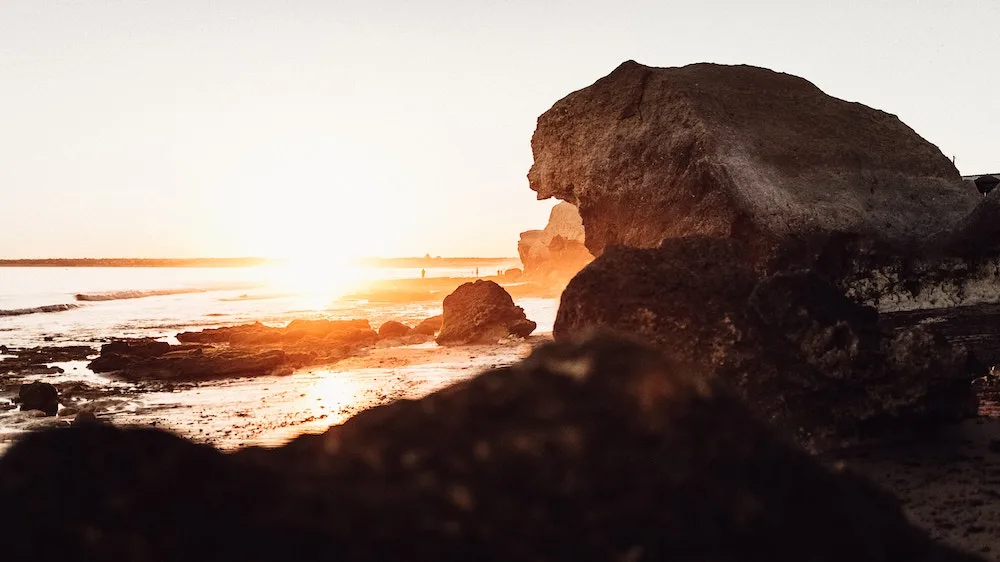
(315, 282)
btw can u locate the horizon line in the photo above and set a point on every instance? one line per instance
(252, 259)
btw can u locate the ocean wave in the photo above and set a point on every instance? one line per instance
(134, 294)
(257, 297)
(38, 309)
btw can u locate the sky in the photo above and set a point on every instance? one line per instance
(215, 128)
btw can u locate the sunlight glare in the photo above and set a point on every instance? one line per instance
(316, 282)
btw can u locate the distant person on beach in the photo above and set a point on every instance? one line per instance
(423, 273)
(477, 272)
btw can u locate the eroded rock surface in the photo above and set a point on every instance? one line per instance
(744, 152)
(481, 312)
(793, 346)
(558, 250)
(599, 451)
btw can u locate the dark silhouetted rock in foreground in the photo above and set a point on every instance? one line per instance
(600, 451)
(39, 396)
(481, 312)
(796, 349)
(744, 152)
(393, 329)
(429, 326)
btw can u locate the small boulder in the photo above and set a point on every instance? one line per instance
(86, 418)
(393, 329)
(429, 326)
(39, 396)
(512, 274)
(481, 312)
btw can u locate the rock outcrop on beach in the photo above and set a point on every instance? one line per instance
(40, 396)
(804, 180)
(297, 331)
(37, 360)
(746, 153)
(481, 312)
(235, 351)
(429, 326)
(393, 329)
(558, 251)
(595, 451)
(800, 353)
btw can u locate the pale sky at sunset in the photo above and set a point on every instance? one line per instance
(187, 128)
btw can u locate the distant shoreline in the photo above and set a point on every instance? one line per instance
(242, 262)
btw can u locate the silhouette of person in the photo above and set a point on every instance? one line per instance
(423, 273)
(477, 272)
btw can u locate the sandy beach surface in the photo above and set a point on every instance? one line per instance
(948, 481)
(270, 410)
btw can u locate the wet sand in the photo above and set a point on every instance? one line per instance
(271, 410)
(947, 481)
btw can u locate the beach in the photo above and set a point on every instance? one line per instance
(236, 412)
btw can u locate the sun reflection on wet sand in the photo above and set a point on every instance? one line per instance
(271, 410)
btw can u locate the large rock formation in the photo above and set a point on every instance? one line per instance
(558, 251)
(743, 152)
(601, 451)
(481, 312)
(794, 347)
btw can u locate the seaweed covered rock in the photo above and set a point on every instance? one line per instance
(593, 450)
(481, 312)
(739, 151)
(793, 346)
